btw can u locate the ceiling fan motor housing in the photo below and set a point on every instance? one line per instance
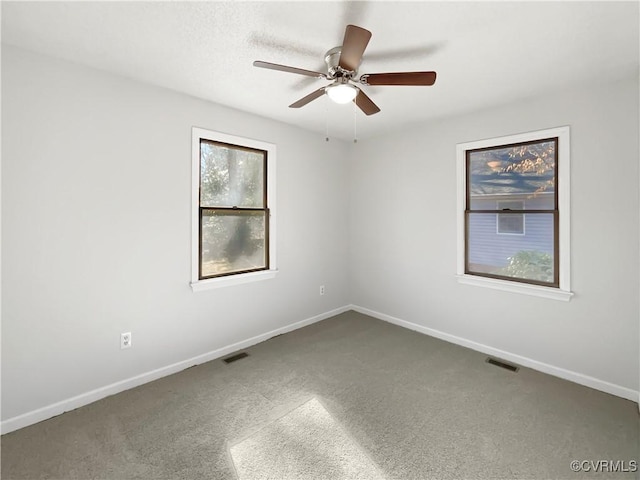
(332, 59)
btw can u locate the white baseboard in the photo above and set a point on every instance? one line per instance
(575, 377)
(72, 403)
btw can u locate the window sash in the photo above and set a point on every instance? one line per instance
(237, 212)
(524, 211)
(241, 148)
(234, 210)
(469, 152)
(556, 244)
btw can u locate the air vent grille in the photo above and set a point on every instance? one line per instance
(501, 364)
(236, 357)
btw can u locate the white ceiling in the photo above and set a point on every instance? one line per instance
(484, 53)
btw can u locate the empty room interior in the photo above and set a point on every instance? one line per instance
(320, 240)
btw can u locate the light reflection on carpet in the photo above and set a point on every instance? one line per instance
(306, 443)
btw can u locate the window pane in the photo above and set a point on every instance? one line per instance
(231, 177)
(528, 256)
(232, 242)
(523, 173)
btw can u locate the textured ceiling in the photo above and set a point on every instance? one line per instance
(485, 53)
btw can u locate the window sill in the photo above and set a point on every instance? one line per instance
(514, 287)
(210, 283)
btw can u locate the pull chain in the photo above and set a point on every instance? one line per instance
(355, 122)
(326, 116)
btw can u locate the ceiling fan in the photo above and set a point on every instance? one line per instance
(342, 65)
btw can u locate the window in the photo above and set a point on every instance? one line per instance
(525, 247)
(233, 210)
(510, 224)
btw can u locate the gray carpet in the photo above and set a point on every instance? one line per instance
(416, 406)
(305, 443)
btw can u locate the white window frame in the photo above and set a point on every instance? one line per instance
(198, 285)
(563, 292)
(524, 226)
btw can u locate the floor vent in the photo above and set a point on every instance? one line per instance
(238, 356)
(501, 364)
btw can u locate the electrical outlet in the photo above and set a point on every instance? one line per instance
(321, 289)
(125, 340)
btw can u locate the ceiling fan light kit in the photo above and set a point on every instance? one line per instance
(341, 92)
(342, 67)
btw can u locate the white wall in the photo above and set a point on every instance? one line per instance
(96, 231)
(403, 235)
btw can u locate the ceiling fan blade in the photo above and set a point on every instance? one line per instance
(365, 103)
(400, 78)
(304, 100)
(304, 83)
(355, 42)
(284, 68)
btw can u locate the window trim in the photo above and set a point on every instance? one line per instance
(563, 291)
(524, 218)
(198, 284)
